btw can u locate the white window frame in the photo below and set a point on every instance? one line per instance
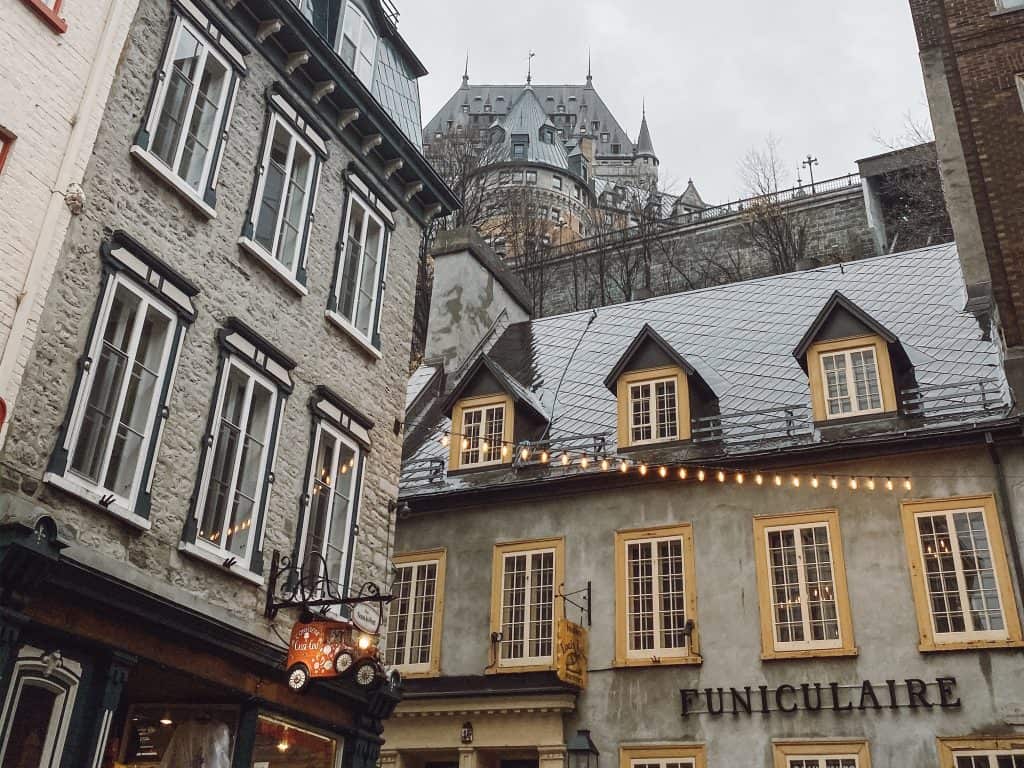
(663, 762)
(658, 650)
(805, 615)
(233, 361)
(374, 314)
(308, 200)
(822, 758)
(343, 579)
(226, 97)
(991, 754)
(940, 638)
(652, 404)
(527, 639)
(363, 25)
(31, 668)
(425, 666)
(485, 423)
(121, 506)
(851, 388)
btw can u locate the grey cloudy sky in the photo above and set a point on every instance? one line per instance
(822, 76)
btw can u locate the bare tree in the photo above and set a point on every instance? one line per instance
(774, 229)
(461, 157)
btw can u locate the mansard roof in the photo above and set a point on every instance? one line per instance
(741, 338)
(527, 117)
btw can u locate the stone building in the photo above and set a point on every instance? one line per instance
(771, 523)
(971, 55)
(56, 65)
(208, 422)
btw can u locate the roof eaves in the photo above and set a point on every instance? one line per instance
(647, 333)
(836, 300)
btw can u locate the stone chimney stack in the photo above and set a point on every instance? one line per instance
(474, 296)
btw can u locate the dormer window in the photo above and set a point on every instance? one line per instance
(657, 392)
(561, 107)
(852, 363)
(482, 435)
(358, 44)
(487, 107)
(518, 151)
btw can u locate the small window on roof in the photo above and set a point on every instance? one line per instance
(561, 107)
(487, 107)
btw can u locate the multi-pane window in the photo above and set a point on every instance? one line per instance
(850, 379)
(483, 431)
(963, 593)
(674, 762)
(829, 754)
(653, 410)
(803, 592)
(333, 494)
(413, 617)
(238, 462)
(995, 758)
(802, 584)
(361, 271)
(358, 43)
(822, 761)
(527, 607)
(284, 196)
(656, 595)
(115, 416)
(185, 123)
(663, 756)
(556, 182)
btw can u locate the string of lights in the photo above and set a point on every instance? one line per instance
(614, 462)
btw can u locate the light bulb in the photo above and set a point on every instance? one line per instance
(871, 483)
(484, 445)
(888, 484)
(814, 481)
(906, 484)
(565, 458)
(544, 457)
(739, 478)
(604, 464)
(445, 440)
(759, 478)
(701, 474)
(465, 443)
(524, 454)
(623, 466)
(584, 461)
(796, 481)
(778, 480)
(720, 476)
(853, 483)
(682, 473)
(833, 482)
(643, 469)
(504, 450)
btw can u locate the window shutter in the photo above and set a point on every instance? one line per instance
(314, 189)
(380, 290)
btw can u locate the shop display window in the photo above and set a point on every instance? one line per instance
(280, 744)
(178, 736)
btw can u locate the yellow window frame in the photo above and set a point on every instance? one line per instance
(1007, 597)
(782, 750)
(886, 384)
(439, 556)
(668, 752)
(508, 429)
(558, 608)
(830, 517)
(622, 387)
(691, 654)
(948, 747)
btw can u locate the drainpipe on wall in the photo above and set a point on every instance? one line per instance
(1003, 508)
(66, 189)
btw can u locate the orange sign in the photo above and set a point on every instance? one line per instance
(571, 658)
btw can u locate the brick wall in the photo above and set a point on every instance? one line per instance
(978, 50)
(125, 195)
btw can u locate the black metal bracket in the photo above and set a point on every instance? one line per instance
(307, 586)
(583, 605)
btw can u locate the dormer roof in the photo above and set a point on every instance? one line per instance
(648, 336)
(505, 381)
(839, 318)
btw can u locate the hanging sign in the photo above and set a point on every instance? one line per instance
(366, 616)
(571, 656)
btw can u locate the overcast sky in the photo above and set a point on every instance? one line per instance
(823, 77)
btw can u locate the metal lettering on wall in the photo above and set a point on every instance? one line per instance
(912, 693)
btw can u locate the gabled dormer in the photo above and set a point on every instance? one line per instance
(490, 411)
(854, 364)
(657, 392)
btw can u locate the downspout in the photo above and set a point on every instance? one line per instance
(72, 170)
(1004, 512)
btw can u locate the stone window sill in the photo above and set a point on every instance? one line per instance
(259, 253)
(190, 195)
(1006, 11)
(352, 332)
(92, 495)
(49, 15)
(217, 559)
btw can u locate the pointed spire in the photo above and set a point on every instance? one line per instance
(590, 76)
(465, 73)
(529, 67)
(644, 145)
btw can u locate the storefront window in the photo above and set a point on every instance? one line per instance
(280, 744)
(175, 736)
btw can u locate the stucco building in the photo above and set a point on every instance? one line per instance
(771, 523)
(207, 421)
(56, 65)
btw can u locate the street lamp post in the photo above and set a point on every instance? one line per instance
(810, 162)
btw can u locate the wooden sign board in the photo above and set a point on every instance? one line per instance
(571, 656)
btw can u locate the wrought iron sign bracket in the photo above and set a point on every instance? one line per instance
(579, 598)
(307, 586)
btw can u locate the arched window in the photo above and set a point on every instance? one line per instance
(37, 709)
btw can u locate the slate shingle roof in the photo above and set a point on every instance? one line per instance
(740, 338)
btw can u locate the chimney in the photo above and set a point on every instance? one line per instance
(473, 293)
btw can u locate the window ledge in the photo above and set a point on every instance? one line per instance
(183, 189)
(60, 26)
(217, 559)
(356, 335)
(259, 253)
(969, 645)
(1006, 11)
(92, 497)
(809, 653)
(419, 674)
(663, 661)
(518, 669)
